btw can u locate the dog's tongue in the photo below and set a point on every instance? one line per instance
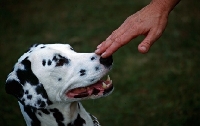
(94, 89)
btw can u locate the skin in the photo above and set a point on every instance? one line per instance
(150, 21)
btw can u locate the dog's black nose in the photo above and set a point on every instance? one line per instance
(106, 61)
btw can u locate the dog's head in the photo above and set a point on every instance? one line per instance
(56, 73)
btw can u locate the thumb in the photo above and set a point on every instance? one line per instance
(148, 41)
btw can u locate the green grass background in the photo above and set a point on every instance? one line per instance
(161, 88)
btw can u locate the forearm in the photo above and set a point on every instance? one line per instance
(165, 5)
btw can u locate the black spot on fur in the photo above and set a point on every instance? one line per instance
(45, 111)
(40, 90)
(44, 101)
(43, 62)
(71, 48)
(15, 88)
(79, 121)
(26, 92)
(23, 100)
(95, 121)
(31, 113)
(60, 60)
(59, 79)
(58, 116)
(42, 47)
(96, 68)
(27, 75)
(82, 72)
(49, 62)
(35, 45)
(93, 58)
(29, 97)
(78, 106)
(42, 104)
(40, 114)
(91, 80)
(39, 101)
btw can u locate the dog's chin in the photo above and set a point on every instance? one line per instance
(99, 89)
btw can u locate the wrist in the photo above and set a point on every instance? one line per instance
(164, 6)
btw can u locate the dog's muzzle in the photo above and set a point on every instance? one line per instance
(98, 89)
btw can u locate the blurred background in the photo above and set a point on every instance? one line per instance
(161, 88)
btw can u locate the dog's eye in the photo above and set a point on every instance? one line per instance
(60, 60)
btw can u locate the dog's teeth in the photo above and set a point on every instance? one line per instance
(108, 78)
(110, 82)
(104, 85)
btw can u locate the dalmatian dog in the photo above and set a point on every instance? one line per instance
(50, 80)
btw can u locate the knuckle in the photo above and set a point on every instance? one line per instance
(147, 43)
(134, 28)
(118, 42)
(159, 32)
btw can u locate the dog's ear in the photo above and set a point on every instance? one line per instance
(25, 86)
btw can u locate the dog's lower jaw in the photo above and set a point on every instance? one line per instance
(61, 114)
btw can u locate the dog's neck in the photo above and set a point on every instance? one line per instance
(62, 114)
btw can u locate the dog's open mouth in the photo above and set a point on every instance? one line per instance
(100, 88)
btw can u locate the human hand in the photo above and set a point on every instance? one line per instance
(149, 21)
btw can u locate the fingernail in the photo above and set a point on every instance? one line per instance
(99, 46)
(143, 48)
(108, 37)
(102, 55)
(97, 51)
